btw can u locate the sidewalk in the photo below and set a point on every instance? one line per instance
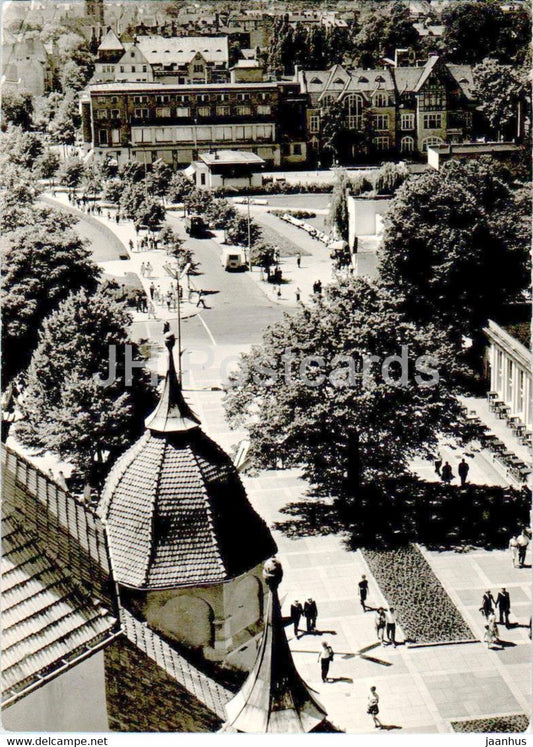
(125, 232)
(315, 262)
(422, 690)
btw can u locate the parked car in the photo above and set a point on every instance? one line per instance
(233, 258)
(194, 225)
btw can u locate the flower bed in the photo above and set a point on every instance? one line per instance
(496, 724)
(423, 608)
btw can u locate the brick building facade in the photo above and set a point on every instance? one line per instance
(392, 110)
(150, 121)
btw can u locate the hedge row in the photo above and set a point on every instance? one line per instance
(424, 610)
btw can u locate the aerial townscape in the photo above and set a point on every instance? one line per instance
(266, 366)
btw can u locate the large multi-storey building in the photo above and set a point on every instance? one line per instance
(390, 110)
(150, 121)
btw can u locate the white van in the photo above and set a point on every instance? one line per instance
(233, 258)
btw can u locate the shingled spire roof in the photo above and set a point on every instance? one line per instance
(175, 509)
(274, 699)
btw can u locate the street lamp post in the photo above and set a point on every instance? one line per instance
(249, 238)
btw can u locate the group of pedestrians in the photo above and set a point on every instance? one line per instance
(518, 546)
(488, 609)
(385, 619)
(445, 471)
(309, 610)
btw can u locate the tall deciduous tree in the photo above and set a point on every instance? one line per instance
(43, 261)
(69, 407)
(471, 30)
(500, 91)
(338, 207)
(455, 247)
(313, 396)
(17, 108)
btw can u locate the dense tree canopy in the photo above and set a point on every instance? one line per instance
(67, 408)
(310, 395)
(17, 108)
(455, 246)
(43, 260)
(500, 91)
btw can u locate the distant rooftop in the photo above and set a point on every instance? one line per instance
(128, 87)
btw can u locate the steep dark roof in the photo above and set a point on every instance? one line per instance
(175, 509)
(47, 620)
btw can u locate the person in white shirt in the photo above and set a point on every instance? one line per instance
(390, 620)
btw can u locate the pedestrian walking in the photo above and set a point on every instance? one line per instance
(493, 626)
(310, 614)
(363, 591)
(298, 293)
(299, 260)
(390, 621)
(522, 541)
(148, 269)
(380, 622)
(130, 242)
(325, 657)
(296, 613)
(503, 603)
(487, 604)
(151, 310)
(169, 299)
(513, 547)
(373, 707)
(463, 469)
(143, 269)
(117, 217)
(152, 291)
(201, 299)
(438, 465)
(489, 639)
(446, 473)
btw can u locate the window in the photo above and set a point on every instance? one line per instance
(316, 81)
(429, 141)
(182, 98)
(380, 99)
(243, 97)
(222, 96)
(141, 113)
(145, 69)
(163, 134)
(264, 109)
(434, 97)
(432, 121)
(407, 122)
(132, 54)
(162, 111)
(114, 99)
(297, 149)
(203, 97)
(103, 137)
(203, 111)
(141, 135)
(243, 111)
(223, 111)
(380, 122)
(162, 99)
(183, 111)
(115, 114)
(122, 68)
(354, 107)
(314, 123)
(381, 143)
(101, 114)
(407, 144)
(263, 97)
(115, 137)
(264, 132)
(198, 68)
(204, 133)
(133, 69)
(140, 99)
(327, 100)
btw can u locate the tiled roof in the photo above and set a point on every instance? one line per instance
(175, 509)
(464, 77)
(47, 619)
(161, 50)
(110, 42)
(177, 514)
(407, 78)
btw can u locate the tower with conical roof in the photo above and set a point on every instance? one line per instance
(186, 546)
(274, 699)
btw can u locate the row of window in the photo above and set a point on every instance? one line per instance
(184, 111)
(407, 143)
(382, 122)
(215, 133)
(185, 98)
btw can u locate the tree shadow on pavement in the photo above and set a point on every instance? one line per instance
(309, 519)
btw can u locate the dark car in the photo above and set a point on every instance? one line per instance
(194, 225)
